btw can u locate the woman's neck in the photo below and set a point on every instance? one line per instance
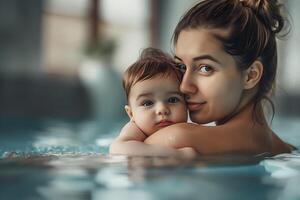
(247, 113)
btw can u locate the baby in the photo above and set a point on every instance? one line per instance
(154, 101)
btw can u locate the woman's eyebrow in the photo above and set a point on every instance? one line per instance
(202, 57)
(175, 57)
(209, 57)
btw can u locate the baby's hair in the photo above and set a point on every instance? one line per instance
(151, 63)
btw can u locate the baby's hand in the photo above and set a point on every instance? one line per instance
(188, 152)
(131, 132)
(131, 128)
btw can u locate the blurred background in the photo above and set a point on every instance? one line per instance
(63, 59)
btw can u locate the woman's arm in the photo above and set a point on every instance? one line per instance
(213, 140)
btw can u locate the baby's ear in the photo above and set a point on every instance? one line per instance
(129, 112)
(253, 74)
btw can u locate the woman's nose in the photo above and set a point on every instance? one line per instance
(187, 85)
(162, 109)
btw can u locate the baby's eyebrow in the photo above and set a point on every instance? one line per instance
(144, 95)
(175, 92)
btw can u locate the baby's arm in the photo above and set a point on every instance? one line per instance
(131, 142)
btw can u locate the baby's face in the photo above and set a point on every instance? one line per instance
(156, 103)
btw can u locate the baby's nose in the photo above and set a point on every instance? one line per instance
(163, 109)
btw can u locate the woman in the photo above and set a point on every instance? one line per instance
(226, 50)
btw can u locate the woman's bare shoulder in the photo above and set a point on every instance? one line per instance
(279, 146)
(177, 135)
(209, 140)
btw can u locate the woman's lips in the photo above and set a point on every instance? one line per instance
(195, 106)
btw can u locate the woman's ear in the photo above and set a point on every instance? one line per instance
(129, 112)
(253, 74)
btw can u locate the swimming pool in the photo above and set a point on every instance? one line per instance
(48, 159)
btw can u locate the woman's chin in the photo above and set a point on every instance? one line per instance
(201, 119)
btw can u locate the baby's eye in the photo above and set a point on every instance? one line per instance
(181, 67)
(205, 69)
(173, 100)
(147, 103)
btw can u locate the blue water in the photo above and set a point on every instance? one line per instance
(48, 159)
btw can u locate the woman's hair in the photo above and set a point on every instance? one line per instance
(253, 26)
(151, 63)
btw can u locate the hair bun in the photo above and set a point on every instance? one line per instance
(268, 11)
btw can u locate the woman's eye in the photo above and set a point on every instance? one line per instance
(205, 69)
(181, 67)
(147, 103)
(173, 100)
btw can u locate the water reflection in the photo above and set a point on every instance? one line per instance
(284, 172)
(97, 176)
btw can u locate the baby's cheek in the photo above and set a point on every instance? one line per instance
(146, 125)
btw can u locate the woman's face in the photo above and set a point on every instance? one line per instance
(212, 83)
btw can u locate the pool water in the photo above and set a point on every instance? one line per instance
(68, 160)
